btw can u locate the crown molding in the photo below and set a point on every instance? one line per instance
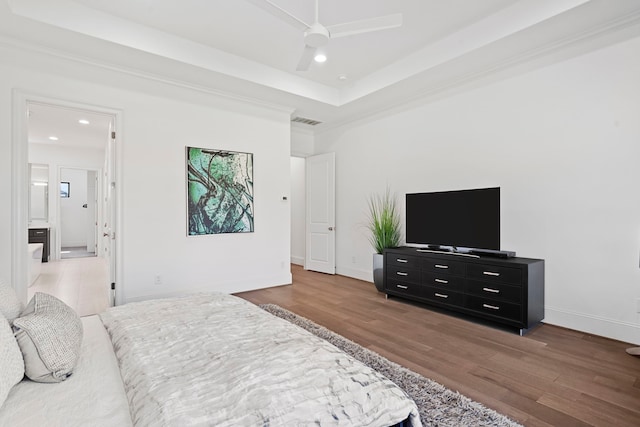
(607, 33)
(21, 46)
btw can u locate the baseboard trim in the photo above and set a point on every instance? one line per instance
(227, 288)
(297, 260)
(596, 325)
(366, 275)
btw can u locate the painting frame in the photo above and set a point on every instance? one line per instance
(219, 191)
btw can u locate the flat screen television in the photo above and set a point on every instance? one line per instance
(459, 219)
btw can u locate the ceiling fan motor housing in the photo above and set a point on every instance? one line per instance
(316, 36)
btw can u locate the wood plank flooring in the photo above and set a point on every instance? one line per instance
(550, 377)
(82, 283)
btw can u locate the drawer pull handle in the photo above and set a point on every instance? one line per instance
(401, 260)
(441, 281)
(495, 291)
(441, 295)
(402, 273)
(492, 307)
(402, 287)
(441, 266)
(490, 273)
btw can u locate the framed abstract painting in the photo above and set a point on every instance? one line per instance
(219, 191)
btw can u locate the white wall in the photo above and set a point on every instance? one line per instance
(158, 121)
(298, 204)
(562, 142)
(73, 217)
(302, 140)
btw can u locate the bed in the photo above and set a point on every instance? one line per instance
(207, 359)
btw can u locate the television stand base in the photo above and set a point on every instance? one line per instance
(508, 291)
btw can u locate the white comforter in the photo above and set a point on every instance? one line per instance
(218, 360)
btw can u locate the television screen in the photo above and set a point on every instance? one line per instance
(465, 218)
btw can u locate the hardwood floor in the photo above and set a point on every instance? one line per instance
(550, 377)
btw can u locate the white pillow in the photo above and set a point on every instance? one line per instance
(10, 305)
(49, 334)
(11, 364)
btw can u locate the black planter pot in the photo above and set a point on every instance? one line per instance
(378, 271)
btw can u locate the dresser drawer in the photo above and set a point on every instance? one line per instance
(443, 281)
(401, 260)
(494, 273)
(444, 266)
(495, 308)
(403, 274)
(497, 291)
(404, 288)
(442, 295)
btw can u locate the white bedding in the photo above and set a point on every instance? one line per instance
(216, 359)
(92, 396)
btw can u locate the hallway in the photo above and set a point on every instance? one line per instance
(82, 283)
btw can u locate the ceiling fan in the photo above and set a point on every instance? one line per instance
(317, 35)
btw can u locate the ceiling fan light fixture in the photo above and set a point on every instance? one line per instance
(317, 35)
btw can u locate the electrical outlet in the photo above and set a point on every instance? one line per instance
(157, 280)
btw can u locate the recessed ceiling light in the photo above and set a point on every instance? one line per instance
(320, 58)
(53, 138)
(83, 122)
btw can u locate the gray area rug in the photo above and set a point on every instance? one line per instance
(438, 405)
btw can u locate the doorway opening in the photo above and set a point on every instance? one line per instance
(79, 212)
(75, 145)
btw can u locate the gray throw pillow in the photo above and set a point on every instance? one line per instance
(49, 334)
(11, 364)
(10, 305)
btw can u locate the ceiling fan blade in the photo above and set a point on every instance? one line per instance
(279, 12)
(365, 25)
(307, 57)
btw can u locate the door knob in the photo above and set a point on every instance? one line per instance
(105, 234)
(330, 228)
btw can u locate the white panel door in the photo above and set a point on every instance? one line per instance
(320, 228)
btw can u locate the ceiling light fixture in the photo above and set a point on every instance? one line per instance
(320, 58)
(83, 121)
(53, 138)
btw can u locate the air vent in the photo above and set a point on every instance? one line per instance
(306, 121)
